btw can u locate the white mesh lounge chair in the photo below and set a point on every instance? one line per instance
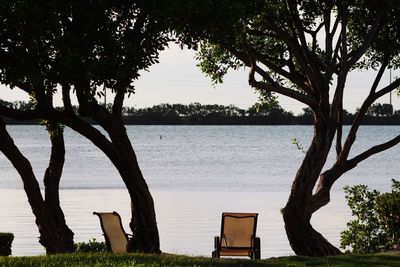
(116, 239)
(238, 236)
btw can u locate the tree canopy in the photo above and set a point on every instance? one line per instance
(84, 49)
(100, 42)
(300, 49)
(303, 50)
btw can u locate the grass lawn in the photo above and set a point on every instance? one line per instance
(132, 259)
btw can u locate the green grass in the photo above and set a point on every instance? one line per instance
(113, 260)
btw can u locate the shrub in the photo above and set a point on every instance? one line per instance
(5, 243)
(375, 227)
(91, 246)
(388, 210)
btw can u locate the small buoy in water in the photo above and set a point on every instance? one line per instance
(160, 136)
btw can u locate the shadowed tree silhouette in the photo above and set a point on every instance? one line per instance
(82, 48)
(303, 50)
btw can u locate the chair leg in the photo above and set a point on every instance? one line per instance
(215, 253)
(257, 249)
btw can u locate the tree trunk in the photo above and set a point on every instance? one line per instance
(47, 226)
(303, 238)
(143, 221)
(52, 201)
(143, 224)
(120, 151)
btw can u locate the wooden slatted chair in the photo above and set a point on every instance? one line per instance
(238, 236)
(117, 240)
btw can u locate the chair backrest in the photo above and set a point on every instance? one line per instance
(114, 233)
(238, 229)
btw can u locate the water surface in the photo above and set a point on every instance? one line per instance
(194, 173)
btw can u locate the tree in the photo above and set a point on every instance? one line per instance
(84, 48)
(270, 111)
(376, 217)
(55, 235)
(379, 109)
(364, 234)
(303, 50)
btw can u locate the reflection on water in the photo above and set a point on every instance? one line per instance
(187, 221)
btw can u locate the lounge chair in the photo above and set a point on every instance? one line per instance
(116, 239)
(238, 236)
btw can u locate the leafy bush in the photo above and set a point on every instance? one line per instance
(375, 227)
(91, 246)
(388, 210)
(5, 243)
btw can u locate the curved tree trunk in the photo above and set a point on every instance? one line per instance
(303, 238)
(49, 228)
(143, 221)
(52, 200)
(121, 153)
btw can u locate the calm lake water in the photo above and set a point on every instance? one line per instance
(194, 173)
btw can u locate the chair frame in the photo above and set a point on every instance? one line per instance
(108, 243)
(254, 251)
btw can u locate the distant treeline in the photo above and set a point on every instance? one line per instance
(198, 114)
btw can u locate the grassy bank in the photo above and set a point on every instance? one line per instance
(105, 259)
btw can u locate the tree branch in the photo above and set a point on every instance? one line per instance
(293, 75)
(387, 89)
(331, 55)
(118, 102)
(299, 32)
(66, 88)
(252, 54)
(20, 115)
(88, 106)
(360, 115)
(373, 150)
(334, 65)
(335, 26)
(339, 131)
(328, 39)
(273, 86)
(322, 194)
(286, 92)
(24, 168)
(356, 54)
(379, 76)
(296, 50)
(85, 129)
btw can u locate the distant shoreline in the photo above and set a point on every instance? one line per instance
(374, 122)
(198, 114)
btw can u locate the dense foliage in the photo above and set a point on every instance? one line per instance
(198, 114)
(97, 42)
(376, 224)
(91, 246)
(388, 209)
(5, 243)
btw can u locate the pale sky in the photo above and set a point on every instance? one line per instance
(176, 79)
